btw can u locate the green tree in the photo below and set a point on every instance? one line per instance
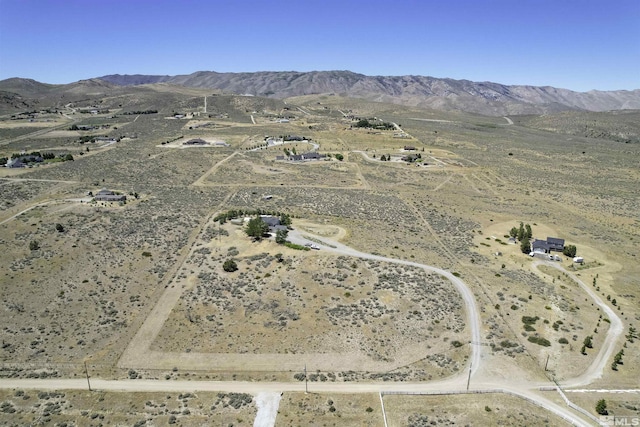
(588, 342)
(601, 407)
(521, 232)
(230, 266)
(256, 228)
(285, 220)
(513, 232)
(68, 158)
(281, 236)
(525, 245)
(527, 231)
(340, 157)
(60, 228)
(570, 251)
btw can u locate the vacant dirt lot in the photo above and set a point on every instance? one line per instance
(314, 303)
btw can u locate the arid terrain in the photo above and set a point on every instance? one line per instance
(414, 308)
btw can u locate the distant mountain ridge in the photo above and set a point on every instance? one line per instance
(438, 93)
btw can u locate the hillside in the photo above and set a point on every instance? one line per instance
(443, 94)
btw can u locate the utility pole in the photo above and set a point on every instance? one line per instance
(469, 378)
(86, 372)
(306, 387)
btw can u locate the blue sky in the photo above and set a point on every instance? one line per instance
(578, 45)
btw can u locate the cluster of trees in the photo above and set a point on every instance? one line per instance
(385, 159)
(137, 112)
(570, 251)
(374, 124)
(523, 234)
(412, 158)
(294, 138)
(31, 157)
(34, 154)
(257, 228)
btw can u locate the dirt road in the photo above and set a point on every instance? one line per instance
(604, 356)
(473, 316)
(279, 387)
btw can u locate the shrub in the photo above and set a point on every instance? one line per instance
(298, 247)
(34, 245)
(563, 341)
(540, 341)
(230, 266)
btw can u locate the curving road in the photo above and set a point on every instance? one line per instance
(473, 316)
(616, 328)
(456, 384)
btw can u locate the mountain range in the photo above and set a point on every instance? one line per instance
(417, 91)
(438, 93)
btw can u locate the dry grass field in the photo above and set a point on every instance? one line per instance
(474, 409)
(381, 315)
(84, 408)
(84, 293)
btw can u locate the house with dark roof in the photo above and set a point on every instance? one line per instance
(109, 196)
(540, 246)
(273, 222)
(15, 163)
(313, 156)
(555, 244)
(546, 246)
(301, 157)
